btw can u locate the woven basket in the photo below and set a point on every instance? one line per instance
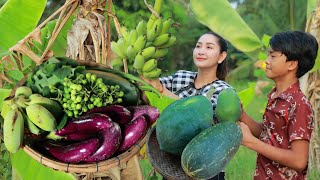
(119, 162)
(166, 164)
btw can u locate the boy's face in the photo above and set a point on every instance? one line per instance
(277, 65)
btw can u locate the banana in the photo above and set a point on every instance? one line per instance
(150, 22)
(51, 105)
(124, 33)
(152, 34)
(117, 64)
(158, 26)
(160, 53)
(13, 129)
(41, 117)
(140, 43)
(6, 107)
(122, 44)
(138, 62)
(166, 26)
(148, 52)
(131, 53)
(23, 90)
(141, 28)
(161, 39)
(21, 101)
(149, 65)
(34, 96)
(29, 124)
(154, 74)
(116, 49)
(132, 37)
(171, 42)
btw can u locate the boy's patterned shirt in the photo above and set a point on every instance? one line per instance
(182, 84)
(288, 117)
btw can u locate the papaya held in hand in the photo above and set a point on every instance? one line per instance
(228, 106)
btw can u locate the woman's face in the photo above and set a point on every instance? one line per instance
(207, 54)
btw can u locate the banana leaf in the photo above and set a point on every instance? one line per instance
(28, 168)
(220, 17)
(17, 19)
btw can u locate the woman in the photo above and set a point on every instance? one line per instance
(209, 56)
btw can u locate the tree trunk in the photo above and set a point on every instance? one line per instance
(310, 85)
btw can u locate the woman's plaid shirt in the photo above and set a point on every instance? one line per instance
(182, 84)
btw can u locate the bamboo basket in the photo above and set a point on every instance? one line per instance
(166, 164)
(123, 166)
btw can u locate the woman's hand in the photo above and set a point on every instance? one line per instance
(155, 83)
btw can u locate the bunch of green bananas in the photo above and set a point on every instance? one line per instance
(29, 110)
(144, 45)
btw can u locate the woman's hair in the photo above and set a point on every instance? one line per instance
(222, 69)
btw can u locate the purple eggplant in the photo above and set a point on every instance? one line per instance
(78, 136)
(149, 112)
(117, 113)
(91, 123)
(110, 142)
(73, 153)
(133, 132)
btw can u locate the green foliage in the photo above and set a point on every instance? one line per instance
(17, 19)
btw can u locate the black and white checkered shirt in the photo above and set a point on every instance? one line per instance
(181, 83)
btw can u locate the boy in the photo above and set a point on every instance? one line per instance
(285, 132)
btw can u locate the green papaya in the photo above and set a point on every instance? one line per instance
(228, 106)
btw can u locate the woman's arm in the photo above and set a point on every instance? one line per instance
(160, 87)
(296, 157)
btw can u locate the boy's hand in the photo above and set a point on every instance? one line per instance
(247, 136)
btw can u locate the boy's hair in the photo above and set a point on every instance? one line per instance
(222, 69)
(297, 46)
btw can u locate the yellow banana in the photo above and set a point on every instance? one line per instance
(148, 52)
(51, 105)
(13, 129)
(132, 37)
(152, 34)
(149, 65)
(131, 53)
(138, 62)
(115, 48)
(23, 90)
(154, 74)
(171, 42)
(140, 43)
(161, 39)
(166, 26)
(150, 22)
(160, 53)
(141, 28)
(41, 117)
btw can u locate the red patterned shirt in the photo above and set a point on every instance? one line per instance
(288, 117)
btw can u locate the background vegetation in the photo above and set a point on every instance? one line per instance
(263, 17)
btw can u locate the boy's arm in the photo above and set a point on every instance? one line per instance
(296, 157)
(255, 127)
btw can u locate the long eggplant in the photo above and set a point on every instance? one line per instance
(73, 153)
(133, 132)
(78, 136)
(117, 113)
(149, 112)
(110, 142)
(91, 123)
